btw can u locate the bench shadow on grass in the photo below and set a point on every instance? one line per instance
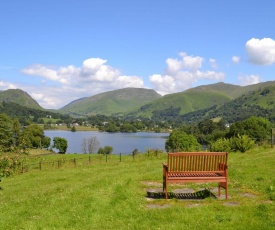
(181, 195)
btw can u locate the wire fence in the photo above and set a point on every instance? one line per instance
(85, 159)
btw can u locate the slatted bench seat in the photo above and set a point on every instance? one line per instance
(198, 167)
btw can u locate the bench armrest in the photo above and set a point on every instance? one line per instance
(223, 166)
(165, 165)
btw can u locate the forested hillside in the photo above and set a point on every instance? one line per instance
(20, 97)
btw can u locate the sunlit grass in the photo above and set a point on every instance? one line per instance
(112, 195)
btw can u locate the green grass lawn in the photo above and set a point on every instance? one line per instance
(112, 195)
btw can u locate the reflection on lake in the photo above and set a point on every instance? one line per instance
(123, 143)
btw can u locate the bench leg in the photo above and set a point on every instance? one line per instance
(164, 187)
(225, 186)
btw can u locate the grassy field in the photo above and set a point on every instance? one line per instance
(113, 195)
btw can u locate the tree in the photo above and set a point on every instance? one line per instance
(6, 133)
(84, 146)
(105, 150)
(257, 128)
(100, 151)
(180, 141)
(93, 145)
(46, 142)
(61, 144)
(32, 136)
(16, 131)
(108, 149)
(207, 126)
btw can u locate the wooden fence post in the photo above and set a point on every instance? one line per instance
(89, 159)
(272, 138)
(40, 165)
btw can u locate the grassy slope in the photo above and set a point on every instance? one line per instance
(20, 97)
(187, 101)
(113, 196)
(117, 101)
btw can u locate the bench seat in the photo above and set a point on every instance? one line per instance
(199, 167)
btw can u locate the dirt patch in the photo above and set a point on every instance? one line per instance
(250, 195)
(158, 206)
(152, 183)
(232, 204)
(193, 205)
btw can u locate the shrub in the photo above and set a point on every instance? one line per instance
(9, 164)
(241, 143)
(180, 141)
(220, 145)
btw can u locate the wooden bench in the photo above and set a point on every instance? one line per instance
(199, 167)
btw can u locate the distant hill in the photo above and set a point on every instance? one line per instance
(113, 102)
(258, 100)
(191, 100)
(20, 97)
(220, 100)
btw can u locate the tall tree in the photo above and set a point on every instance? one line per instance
(6, 133)
(16, 131)
(93, 145)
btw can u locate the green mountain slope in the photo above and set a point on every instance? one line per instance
(112, 102)
(258, 101)
(19, 97)
(191, 100)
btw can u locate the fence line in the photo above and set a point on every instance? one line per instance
(107, 158)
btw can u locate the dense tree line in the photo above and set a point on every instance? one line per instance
(14, 137)
(27, 115)
(240, 136)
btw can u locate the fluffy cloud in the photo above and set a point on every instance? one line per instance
(261, 51)
(6, 85)
(213, 63)
(71, 82)
(236, 59)
(182, 73)
(249, 79)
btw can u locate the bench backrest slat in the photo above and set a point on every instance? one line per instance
(196, 161)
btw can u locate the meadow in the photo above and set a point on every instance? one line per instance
(113, 195)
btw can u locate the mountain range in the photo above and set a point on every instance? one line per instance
(206, 100)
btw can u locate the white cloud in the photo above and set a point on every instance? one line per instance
(61, 75)
(182, 73)
(261, 51)
(236, 59)
(213, 63)
(249, 79)
(6, 85)
(187, 62)
(93, 77)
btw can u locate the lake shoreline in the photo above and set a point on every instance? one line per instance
(124, 143)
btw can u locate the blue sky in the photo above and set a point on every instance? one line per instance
(61, 50)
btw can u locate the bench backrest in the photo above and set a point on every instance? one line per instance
(197, 161)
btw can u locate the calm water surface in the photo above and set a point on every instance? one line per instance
(123, 143)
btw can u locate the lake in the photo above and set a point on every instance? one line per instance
(123, 143)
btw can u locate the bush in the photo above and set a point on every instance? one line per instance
(221, 145)
(180, 141)
(9, 163)
(61, 144)
(241, 143)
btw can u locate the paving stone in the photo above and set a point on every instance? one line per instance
(158, 206)
(247, 195)
(231, 203)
